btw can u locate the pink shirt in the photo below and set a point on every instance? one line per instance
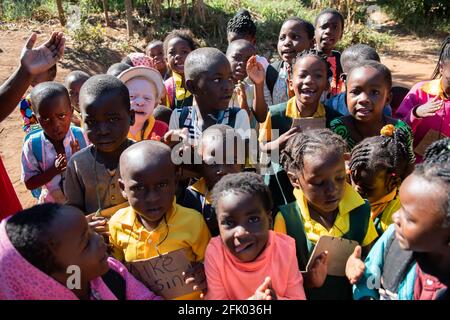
(230, 279)
(437, 126)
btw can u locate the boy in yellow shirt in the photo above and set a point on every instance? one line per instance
(154, 224)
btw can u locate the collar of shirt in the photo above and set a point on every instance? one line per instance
(378, 206)
(314, 229)
(434, 88)
(200, 187)
(149, 124)
(293, 112)
(131, 222)
(180, 92)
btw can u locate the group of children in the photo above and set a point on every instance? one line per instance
(100, 152)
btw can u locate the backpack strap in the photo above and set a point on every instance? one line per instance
(272, 75)
(278, 117)
(396, 264)
(116, 283)
(78, 135)
(294, 227)
(232, 112)
(359, 222)
(184, 113)
(36, 145)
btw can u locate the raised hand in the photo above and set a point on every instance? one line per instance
(60, 162)
(265, 291)
(196, 277)
(354, 269)
(255, 71)
(75, 146)
(40, 59)
(241, 95)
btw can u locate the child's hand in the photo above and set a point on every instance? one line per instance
(60, 163)
(354, 269)
(265, 291)
(196, 277)
(75, 146)
(287, 135)
(255, 71)
(98, 224)
(317, 273)
(429, 109)
(40, 59)
(173, 137)
(241, 95)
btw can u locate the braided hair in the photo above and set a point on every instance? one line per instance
(242, 24)
(436, 168)
(384, 152)
(444, 55)
(316, 54)
(310, 142)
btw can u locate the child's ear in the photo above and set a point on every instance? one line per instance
(293, 179)
(291, 85)
(441, 67)
(122, 188)
(343, 77)
(132, 117)
(347, 156)
(191, 85)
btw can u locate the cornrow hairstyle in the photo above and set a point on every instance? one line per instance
(184, 34)
(444, 55)
(29, 232)
(243, 182)
(310, 142)
(378, 67)
(242, 23)
(313, 53)
(333, 12)
(436, 168)
(308, 26)
(382, 152)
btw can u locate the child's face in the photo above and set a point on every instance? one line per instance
(322, 180)
(238, 60)
(419, 221)
(156, 53)
(54, 116)
(309, 80)
(371, 185)
(444, 69)
(214, 89)
(328, 32)
(215, 165)
(106, 121)
(76, 244)
(74, 93)
(367, 94)
(293, 39)
(177, 51)
(244, 225)
(142, 98)
(149, 187)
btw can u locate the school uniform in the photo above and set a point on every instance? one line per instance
(177, 96)
(352, 222)
(383, 209)
(152, 130)
(182, 228)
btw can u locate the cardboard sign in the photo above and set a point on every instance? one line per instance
(339, 250)
(163, 274)
(430, 137)
(309, 123)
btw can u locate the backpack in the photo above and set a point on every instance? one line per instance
(35, 134)
(230, 112)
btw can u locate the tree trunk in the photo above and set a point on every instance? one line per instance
(200, 10)
(129, 9)
(105, 10)
(1, 9)
(62, 18)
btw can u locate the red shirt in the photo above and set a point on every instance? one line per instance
(426, 286)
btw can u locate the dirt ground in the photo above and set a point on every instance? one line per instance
(411, 60)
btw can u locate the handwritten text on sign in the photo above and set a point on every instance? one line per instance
(163, 274)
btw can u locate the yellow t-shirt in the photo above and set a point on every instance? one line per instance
(185, 228)
(265, 130)
(314, 229)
